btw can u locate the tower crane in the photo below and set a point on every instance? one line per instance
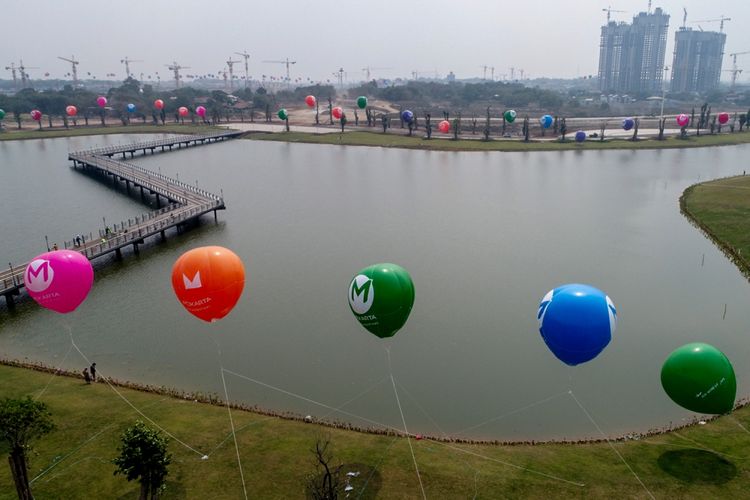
(684, 17)
(176, 68)
(610, 10)
(246, 56)
(735, 71)
(12, 69)
(74, 63)
(24, 75)
(287, 63)
(720, 20)
(368, 69)
(340, 75)
(231, 64)
(127, 62)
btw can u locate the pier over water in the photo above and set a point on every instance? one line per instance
(177, 204)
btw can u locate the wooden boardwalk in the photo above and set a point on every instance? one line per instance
(183, 203)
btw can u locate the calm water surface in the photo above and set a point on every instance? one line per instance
(484, 236)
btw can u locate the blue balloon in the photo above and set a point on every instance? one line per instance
(576, 322)
(580, 136)
(628, 123)
(131, 107)
(546, 121)
(407, 116)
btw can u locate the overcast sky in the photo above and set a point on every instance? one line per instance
(545, 38)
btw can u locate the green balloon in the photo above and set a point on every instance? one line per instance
(283, 114)
(362, 102)
(699, 377)
(381, 297)
(510, 116)
(2, 114)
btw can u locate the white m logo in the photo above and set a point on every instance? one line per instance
(194, 283)
(39, 275)
(361, 294)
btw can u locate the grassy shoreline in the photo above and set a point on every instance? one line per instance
(49, 133)
(374, 139)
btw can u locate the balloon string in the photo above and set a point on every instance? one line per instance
(606, 438)
(403, 420)
(372, 472)
(231, 420)
(106, 379)
(54, 374)
(416, 403)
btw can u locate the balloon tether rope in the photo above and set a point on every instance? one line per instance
(54, 374)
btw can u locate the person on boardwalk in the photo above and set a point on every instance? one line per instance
(54, 246)
(86, 375)
(93, 371)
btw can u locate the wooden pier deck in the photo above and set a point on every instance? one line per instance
(183, 203)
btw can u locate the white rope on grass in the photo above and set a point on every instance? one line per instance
(54, 374)
(414, 400)
(339, 407)
(234, 435)
(406, 431)
(372, 472)
(591, 419)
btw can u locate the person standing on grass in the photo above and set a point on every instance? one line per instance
(93, 371)
(86, 375)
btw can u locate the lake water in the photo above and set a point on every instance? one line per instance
(484, 236)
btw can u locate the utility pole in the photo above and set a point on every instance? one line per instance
(663, 90)
(247, 75)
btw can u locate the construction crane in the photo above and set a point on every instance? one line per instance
(176, 68)
(231, 64)
(512, 73)
(721, 20)
(127, 62)
(287, 63)
(735, 71)
(684, 18)
(610, 10)
(12, 69)
(247, 75)
(340, 75)
(368, 69)
(24, 75)
(74, 63)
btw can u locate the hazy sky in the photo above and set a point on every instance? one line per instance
(544, 37)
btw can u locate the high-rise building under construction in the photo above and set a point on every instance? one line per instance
(697, 60)
(631, 56)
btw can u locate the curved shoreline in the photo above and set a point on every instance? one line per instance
(214, 400)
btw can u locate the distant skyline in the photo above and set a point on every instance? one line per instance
(552, 39)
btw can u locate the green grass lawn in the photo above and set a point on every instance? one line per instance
(704, 461)
(12, 135)
(393, 140)
(722, 209)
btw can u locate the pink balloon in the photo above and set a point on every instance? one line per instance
(59, 280)
(683, 120)
(183, 111)
(101, 101)
(723, 118)
(200, 111)
(36, 115)
(337, 112)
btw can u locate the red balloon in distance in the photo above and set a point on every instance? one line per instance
(183, 111)
(310, 101)
(71, 110)
(337, 112)
(444, 126)
(36, 115)
(208, 281)
(723, 118)
(159, 104)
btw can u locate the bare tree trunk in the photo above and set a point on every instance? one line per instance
(144, 490)
(17, 461)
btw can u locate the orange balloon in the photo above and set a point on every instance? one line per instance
(208, 281)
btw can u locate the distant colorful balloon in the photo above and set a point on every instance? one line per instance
(200, 111)
(183, 111)
(381, 298)
(683, 120)
(310, 101)
(407, 116)
(101, 101)
(628, 123)
(700, 378)
(444, 126)
(580, 136)
(723, 117)
(337, 112)
(510, 116)
(59, 280)
(159, 104)
(576, 322)
(361, 102)
(36, 115)
(546, 121)
(71, 110)
(208, 281)
(2, 114)
(283, 115)
(131, 108)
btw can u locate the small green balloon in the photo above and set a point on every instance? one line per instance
(510, 116)
(2, 114)
(362, 102)
(699, 377)
(283, 114)
(381, 298)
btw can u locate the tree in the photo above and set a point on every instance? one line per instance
(487, 125)
(563, 128)
(637, 122)
(525, 129)
(21, 421)
(602, 128)
(662, 124)
(428, 125)
(144, 457)
(324, 483)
